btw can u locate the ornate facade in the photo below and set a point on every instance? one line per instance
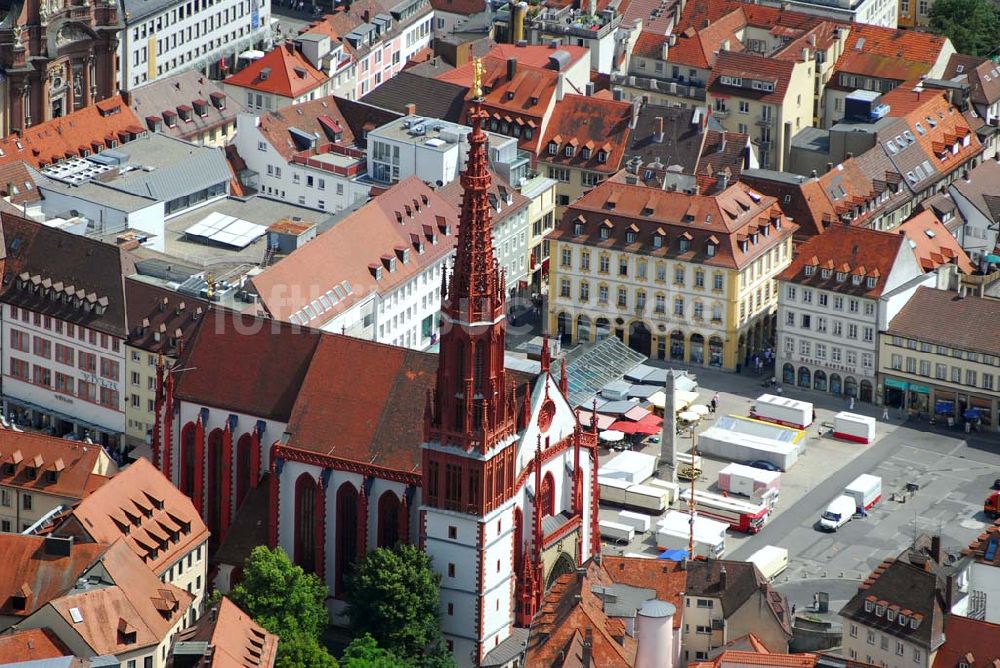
(57, 56)
(366, 445)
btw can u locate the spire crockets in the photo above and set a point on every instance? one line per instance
(472, 404)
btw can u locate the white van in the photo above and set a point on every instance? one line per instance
(838, 513)
(770, 560)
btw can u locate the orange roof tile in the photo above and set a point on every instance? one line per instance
(67, 468)
(846, 248)
(237, 640)
(964, 637)
(26, 562)
(31, 645)
(751, 66)
(887, 53)
(90, 128)
(591, 126)
(289, 73)
(139, 505)
(934, 244)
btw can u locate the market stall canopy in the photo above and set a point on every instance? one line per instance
(648, 425)
(688, 416)
(611, 436)
(603, 421)
(699, 409)
(682, 399)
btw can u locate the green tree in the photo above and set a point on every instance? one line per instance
(393, 595)
(364, 652)
(972, 25)
(301, 651)
(286, 601)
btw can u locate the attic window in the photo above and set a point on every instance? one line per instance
(630, 237)
(569, 151)
(602, 156)
(810, 270)
(825, 273)
(710, 249)
(577, 229)
(605, 233)
(841, 276)
(200, 108)
(914, 622)
(657, 241)
(871, 281)
(553, 148)
(585, 153)
(647, 211)
(891, 615)
(856, 279)
(868, 606)
(903, 619)
(683, 244)
(879, 610)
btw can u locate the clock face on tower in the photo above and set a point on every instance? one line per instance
(545, 415)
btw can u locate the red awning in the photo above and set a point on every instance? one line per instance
(648, 425)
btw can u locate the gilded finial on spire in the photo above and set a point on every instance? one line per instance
(477, 78)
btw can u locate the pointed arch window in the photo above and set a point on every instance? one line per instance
(305, 523)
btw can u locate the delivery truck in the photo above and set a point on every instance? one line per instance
(672, 488)
(749, 481)
(866, 490)
(619, 533)
(840, 511)
(853, 427)
(672, 533)
(740, 514)
(782, 410)
(646, 498)
(770, 560)
(612, 489)
(638, 521)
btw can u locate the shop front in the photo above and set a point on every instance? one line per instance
(911, 397)
(942, 404)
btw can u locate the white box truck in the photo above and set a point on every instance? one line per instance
(635, 467)
(749, 481)
(646, 497)
(672, 488)
(782, 410)
(866, 490)
(854, 427)
(637, 521)
(612, 489)
(673, 529)
(770, 560)
(838, 513)
(620, 533)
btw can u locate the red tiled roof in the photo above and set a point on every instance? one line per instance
(766, 659)
(319, 117)
(668, 578)
(64, 136)
(596, 125)
(236, 640)
(751, 66)
(140, 506)
(291, 74)
(16, 183)
(31, 645)
(161, 320)
(934, 244)
(268, 387)
(967, 639)
(846, 249)
(395, 220)
(463, 7)
(27, 569)
(942, 317)
(76, 465)
(537, 56)
(888, 53)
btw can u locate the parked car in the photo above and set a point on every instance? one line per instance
(762, 464)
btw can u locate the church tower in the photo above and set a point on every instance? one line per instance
(470, 430)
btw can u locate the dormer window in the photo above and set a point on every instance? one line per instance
(605, 233)
(569, 151)
(841, 276)
(868, 606)
(647, 211)
(577, 229)
(871, 281)
(914, 622)
(585, 153)
(683, 244)
(630, 237)
(879, 610)
(856, 279)
(903, 619)
(825, 273)
(657, 241)
(602, 156)
(553, 148)
(891, 614)
(710, 250)
(810, 270)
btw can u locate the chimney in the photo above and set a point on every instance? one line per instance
(722, 142)
(411, 109)
(850, 155)
(814, 174)
(617, 94)
(829, 166)
(936, 548)
(366, 15)
(511, 68)
(636, 106)
(805, 54)
(671, 39)
(659, 130)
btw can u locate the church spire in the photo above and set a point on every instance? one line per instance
(472, 410)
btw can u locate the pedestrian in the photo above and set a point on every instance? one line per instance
(850, 405)
(793, 609)
(711, 406)
(885, 413)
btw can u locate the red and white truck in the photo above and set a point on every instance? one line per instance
(866, 490)
(854, 427)
(751, 482)
(745, 516)
(782, 410)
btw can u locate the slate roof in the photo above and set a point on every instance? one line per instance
(290, 73)
(982, 75)
(90, 129)
(185, 87)
(802, 199)
(61, 260)
(220, 350)
(17, 183)
(319, 118)
(742, 580)
(852, 251)
(981, 188)
(906, 589)
(956, 322)
(433, 98)
(724, 220)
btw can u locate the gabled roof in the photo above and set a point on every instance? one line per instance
(933, 244)
(432, 97)
(803, 199)
(396, 235)
(17, 182)
(982, 75)
(753, 66)
(740, 581)
(847, 251)
(61, 261)
(980, 188)
(31, 645)
(902, 588)
(77, 468)
(538, 55)
(134, 602)
(283, 71)
(723, 221)
(667, 578)
(185, 88)
(969, 641)
(887, 53)
(590, 126)
(701, 47)
(943, 318)
(452, 193)
(319, 118)
(142, 508)
(161, 320)
(89, 129)
(237, 641)
(221, 351)
(28, 570)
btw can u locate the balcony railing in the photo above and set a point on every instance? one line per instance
(765, 121)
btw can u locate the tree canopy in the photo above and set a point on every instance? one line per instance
(393, 596)
(972, 25)
(364, 652)
(286, 601)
